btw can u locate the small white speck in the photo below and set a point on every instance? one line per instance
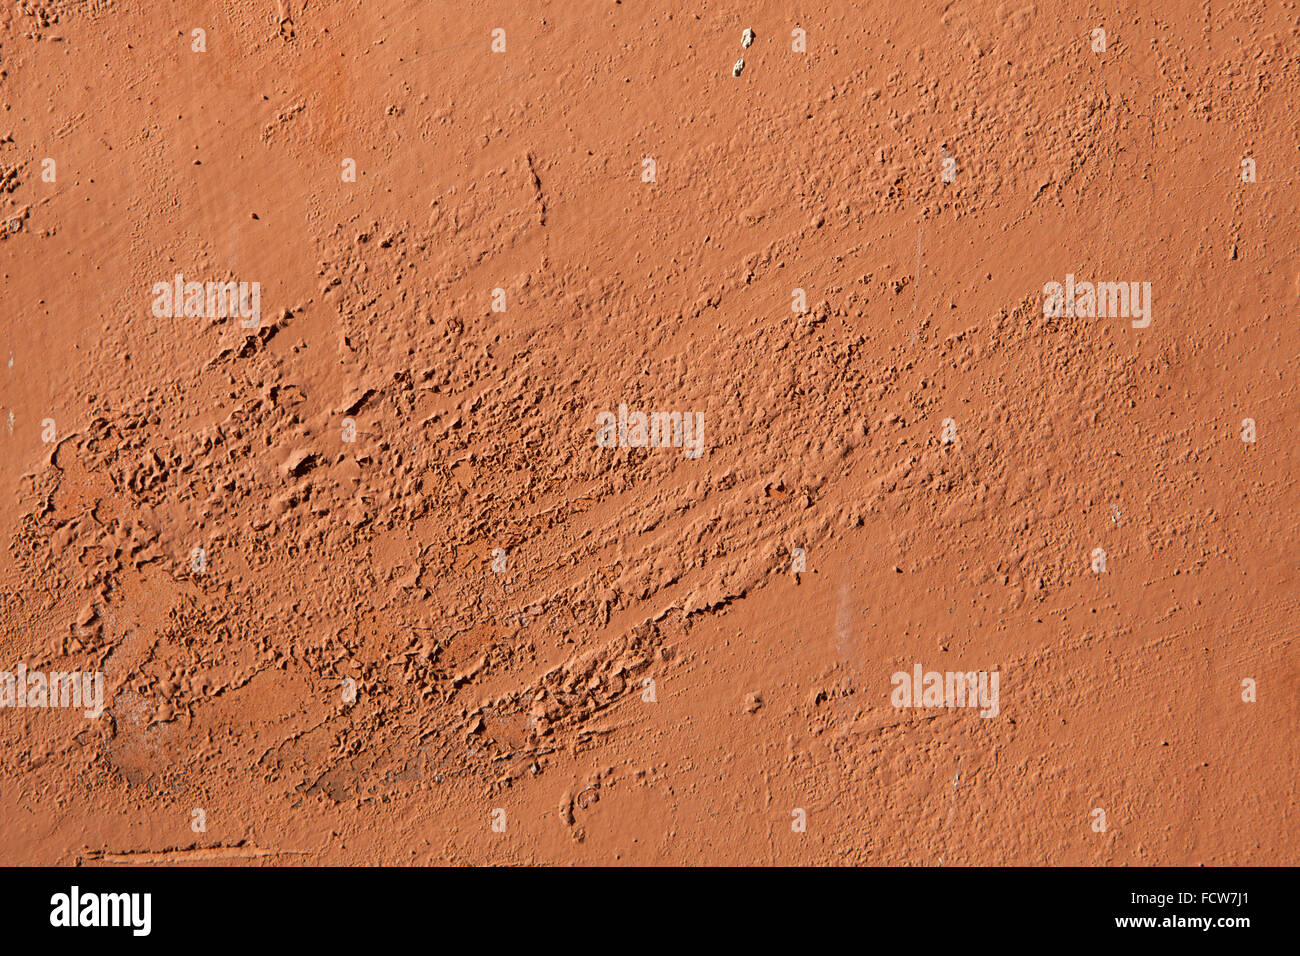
(740, 65)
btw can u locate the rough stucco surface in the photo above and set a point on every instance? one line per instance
(397, 492)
